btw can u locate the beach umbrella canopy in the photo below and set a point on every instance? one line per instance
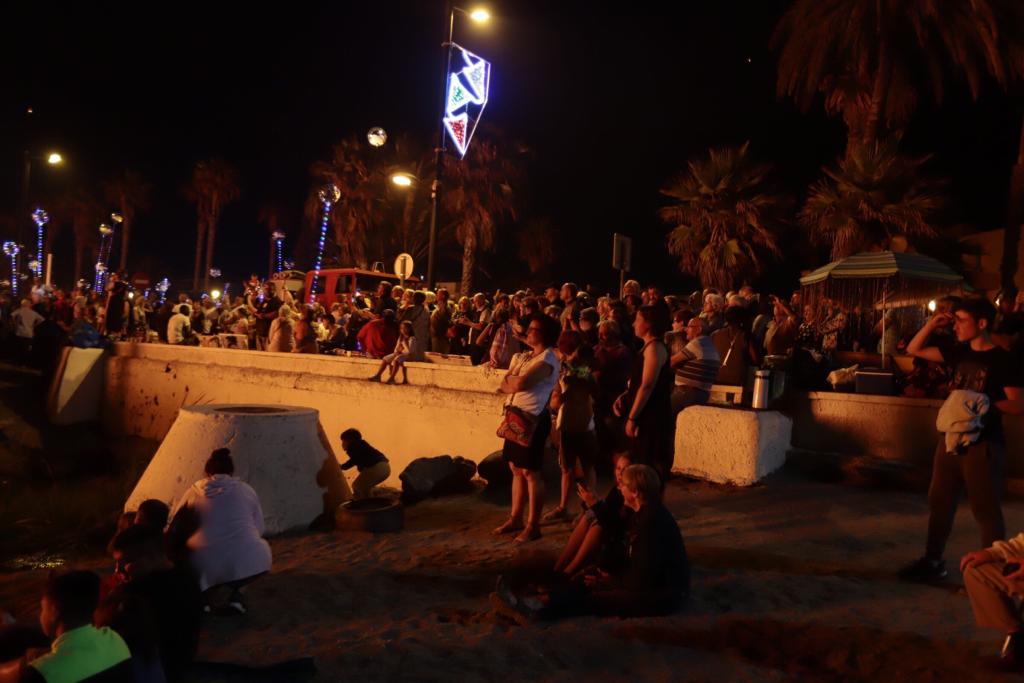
(885, 265)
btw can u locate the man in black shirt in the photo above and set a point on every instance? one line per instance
(384, 300)
(981, 366)
(266, 311)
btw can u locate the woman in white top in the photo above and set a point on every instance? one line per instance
(530, 381)
(227, 546)
(282, 331)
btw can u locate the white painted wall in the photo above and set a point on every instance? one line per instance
(447, 410)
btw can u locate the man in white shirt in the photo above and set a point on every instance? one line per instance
(25, 320)
(178, 326)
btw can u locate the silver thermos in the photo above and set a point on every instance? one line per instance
(762, 382)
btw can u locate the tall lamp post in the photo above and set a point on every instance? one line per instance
(480, 16)
(53, 159)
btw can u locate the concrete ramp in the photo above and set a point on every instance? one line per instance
(76, 393)
(278, 450)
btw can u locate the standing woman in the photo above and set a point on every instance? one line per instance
(646, 403)
(530, 381)
(282, 331)
(305, 335)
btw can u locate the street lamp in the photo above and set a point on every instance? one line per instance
(54, 159)
(401, 179)
(480, 16)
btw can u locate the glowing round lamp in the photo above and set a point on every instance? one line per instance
(376, 136)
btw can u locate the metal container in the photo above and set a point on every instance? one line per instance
(762, 384)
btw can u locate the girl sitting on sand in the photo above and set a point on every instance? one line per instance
(654, 581)
(599, 535)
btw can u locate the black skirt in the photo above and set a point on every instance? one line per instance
(530, 457)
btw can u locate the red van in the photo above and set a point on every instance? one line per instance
(333, 282)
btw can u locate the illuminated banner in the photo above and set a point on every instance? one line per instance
(468, 83)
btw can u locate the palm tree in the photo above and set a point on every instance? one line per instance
(870, 197)
(131, 193)
(214, 184)
(725, 217)
(871, 58)
(410, 206)
(537, 244)
(360, 207)
(86, 214)
(478, 195)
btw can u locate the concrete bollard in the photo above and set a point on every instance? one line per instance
(731, 446)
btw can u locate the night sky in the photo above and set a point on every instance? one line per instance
(612, 102)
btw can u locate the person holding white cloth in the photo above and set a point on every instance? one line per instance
(530, 381)
(227, 547)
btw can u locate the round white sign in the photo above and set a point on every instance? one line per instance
(404, 265)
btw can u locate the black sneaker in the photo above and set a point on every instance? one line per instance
(924, 570)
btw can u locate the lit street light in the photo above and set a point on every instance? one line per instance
(53, 159)
(479, 15)
(401, 179)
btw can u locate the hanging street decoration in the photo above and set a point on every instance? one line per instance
(40, 218)
(329, 195)
(11, 249)
(468, 84)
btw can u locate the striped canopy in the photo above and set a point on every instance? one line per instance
(885, 264)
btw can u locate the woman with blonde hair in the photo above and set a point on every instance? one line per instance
(282, 330)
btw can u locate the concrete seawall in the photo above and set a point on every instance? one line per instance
(451, 410)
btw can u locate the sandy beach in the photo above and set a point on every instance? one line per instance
(793, 580)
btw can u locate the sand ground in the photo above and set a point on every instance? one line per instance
(793, 580)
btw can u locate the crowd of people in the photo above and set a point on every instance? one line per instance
(601, 379)
(397, 325)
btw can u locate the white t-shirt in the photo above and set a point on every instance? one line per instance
(25, 321)
(535, 399)
(176, 328)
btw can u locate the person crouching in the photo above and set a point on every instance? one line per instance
(371, 464)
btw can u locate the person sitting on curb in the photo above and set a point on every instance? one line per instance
(994, 577)
(395, 360)
(371, 464)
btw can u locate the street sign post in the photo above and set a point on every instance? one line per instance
(622, 257)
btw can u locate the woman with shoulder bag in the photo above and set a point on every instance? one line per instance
(527, 424)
